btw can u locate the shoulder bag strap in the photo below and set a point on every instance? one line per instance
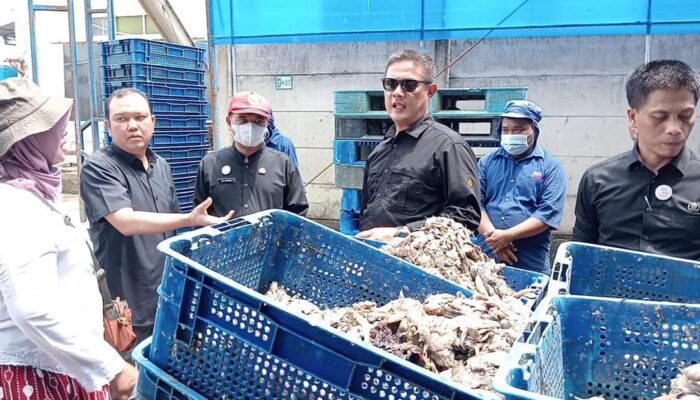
(99, 272)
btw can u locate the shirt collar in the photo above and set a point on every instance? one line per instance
(679, 162)
(414, 130)
(242, 157)
(536, 152)
(132, 159)
(682, 160)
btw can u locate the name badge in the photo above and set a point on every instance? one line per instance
(226, 180)
(663, 192)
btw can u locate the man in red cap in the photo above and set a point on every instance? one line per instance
(249, 177)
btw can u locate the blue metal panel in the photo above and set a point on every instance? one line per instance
(32, 40)
(92, 82)
(281, 21)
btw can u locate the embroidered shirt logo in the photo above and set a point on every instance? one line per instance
(693, 207)
(536, 175)
(254, 99)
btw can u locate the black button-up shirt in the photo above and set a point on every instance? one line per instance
(112, 179)
(426, 170)
(264, 180)
(619, 204)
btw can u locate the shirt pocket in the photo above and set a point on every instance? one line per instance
(529, 186)
(373, 182)
(685, 225)
(405, 193)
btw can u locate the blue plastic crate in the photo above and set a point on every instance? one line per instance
(185, 182)
(155, 59)
(185, 161)
(154, 383)
(349, 222)
(179, 107)
(490, 101)
(185, 197)
(478, 102)
(349, 176)
(170, 121)
(220, 335)
(166, 138)
(7, 71)
(136, 51)
(586, 346)
(151, 47)
(185, 208)
(157, 91)
(353, 151)
(592, 270)
(175, 153)
(181, 168)
(351, 200)
(478, 130)
(153, 73)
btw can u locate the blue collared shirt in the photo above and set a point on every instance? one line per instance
(513, 190)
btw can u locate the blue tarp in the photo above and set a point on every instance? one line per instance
(291, 21)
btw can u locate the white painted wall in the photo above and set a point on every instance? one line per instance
(578, 81)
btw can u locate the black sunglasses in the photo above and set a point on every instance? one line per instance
(407, 85)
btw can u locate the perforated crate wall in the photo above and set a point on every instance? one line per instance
(220, 336)
(616, 349)
(592, 270)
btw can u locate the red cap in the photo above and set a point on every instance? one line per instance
(249, 102)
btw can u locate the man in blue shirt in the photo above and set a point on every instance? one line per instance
(523, 190)
(276, 140)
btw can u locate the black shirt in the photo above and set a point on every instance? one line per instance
(426, 170)
(112, 179)
(623, 204)
(264, 180)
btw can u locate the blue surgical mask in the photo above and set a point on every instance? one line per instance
(515, 144)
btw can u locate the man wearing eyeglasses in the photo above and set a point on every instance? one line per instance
(248, 176)
(523, 191)
(422, 168)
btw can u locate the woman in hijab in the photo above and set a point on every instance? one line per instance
(51, 330)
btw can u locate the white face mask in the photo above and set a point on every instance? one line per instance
(249, 134)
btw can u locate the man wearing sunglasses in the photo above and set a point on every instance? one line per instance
(422, 168)
(523, 191)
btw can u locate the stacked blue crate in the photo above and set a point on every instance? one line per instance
(361, 121)
(172, 76)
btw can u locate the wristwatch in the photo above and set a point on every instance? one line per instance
(402, 232)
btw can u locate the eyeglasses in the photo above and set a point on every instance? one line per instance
(241, 120)
(407, 85)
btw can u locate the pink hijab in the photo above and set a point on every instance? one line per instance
(29, 163)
